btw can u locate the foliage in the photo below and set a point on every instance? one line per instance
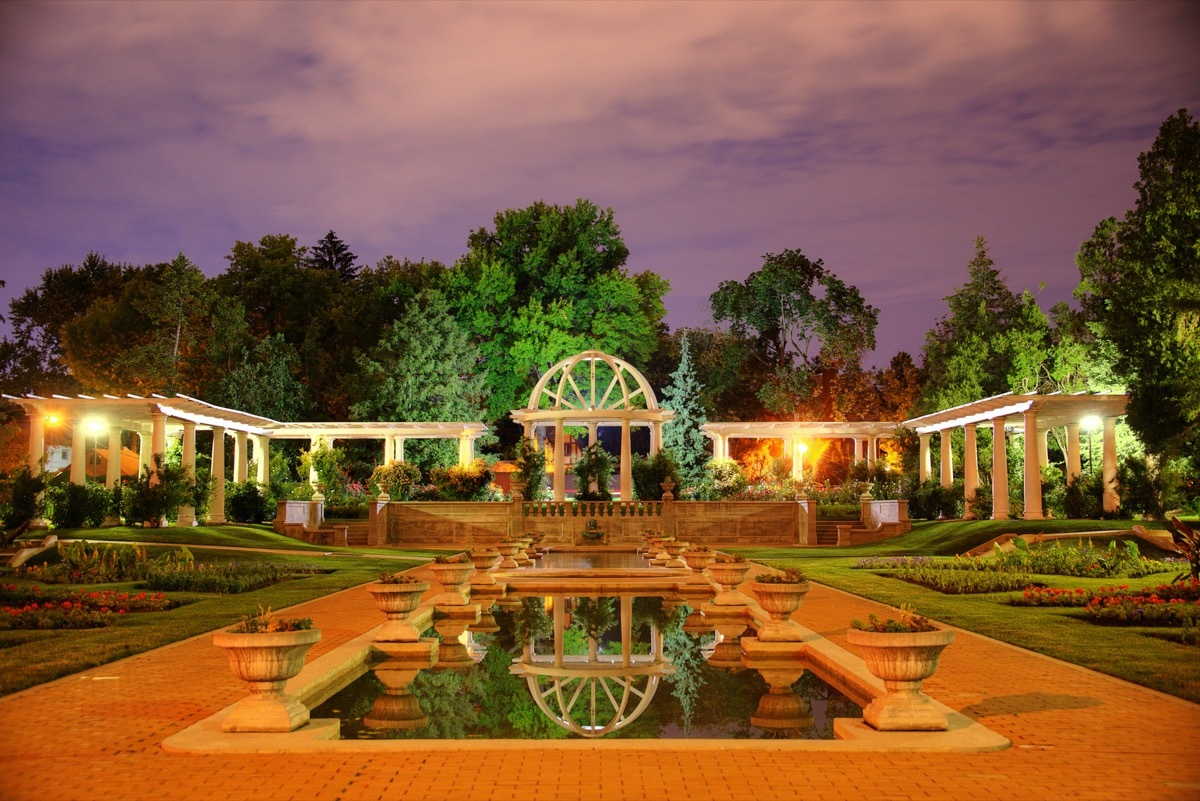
(1187, 540)
(397, 478)
(266, 622)
(327, 461)
(594, 616)
(247, 502)
(388, 577)
(81, 562)
(790, 575)
(964, 581)
(1138, 284)
(907, 620)
(930, 500)
(1084, 559)
(1169, 605)
(470, 483)
(158, 493)
(33, 608)
(183, 574)
(682, 435)
(684, 652)
(546, 282)
(802, 324)
(594, 466)
(74, 505)
(331, 253)
(723, 478)
(530, 622)
(423, 369)
(531, 470)
(649, 474)
(264, 382)
(19, 497)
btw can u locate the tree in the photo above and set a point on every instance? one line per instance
(804, 325)
(264, 383)
(992, 340)
(547, 282)
(683, 435)
(1140, 283)
(424, 369)
(331, 253)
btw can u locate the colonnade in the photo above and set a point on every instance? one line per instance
(593, 429)
(866, 448)
(1036, 457)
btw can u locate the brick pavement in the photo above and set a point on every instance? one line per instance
(1076, 735)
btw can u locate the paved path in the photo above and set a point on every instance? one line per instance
(1076, 735)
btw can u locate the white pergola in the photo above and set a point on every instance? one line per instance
(1034, 416)
(155, 417)
(866, 436)
(574, 393)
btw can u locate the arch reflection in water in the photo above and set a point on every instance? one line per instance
(667, 690)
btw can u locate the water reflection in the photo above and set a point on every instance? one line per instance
(490, 696)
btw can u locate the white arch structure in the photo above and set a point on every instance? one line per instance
(594, 389)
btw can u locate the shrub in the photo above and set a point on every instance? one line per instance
(398, 478)
(650, 473)
(964, 582)
(157, 493)
(1083, 498)
(722, 478)
(593, 465)
(907, 621)
(19, 502)
(531, 470)
(83, 563)
(468, 483)
(246, 502)
(930, 500)
(74, 505)
(266, 622)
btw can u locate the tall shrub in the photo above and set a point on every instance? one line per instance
(531, 469)
(593, 465)
(650, 473)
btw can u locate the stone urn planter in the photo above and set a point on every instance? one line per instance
(266, 660)
(674, 548)
(902, 660)
(453, 576)
(397, 708)
(729, 575)
(508, 551)
(697, 560)
(523, 543)
(484, 560)
(398, 601)
(780, 596)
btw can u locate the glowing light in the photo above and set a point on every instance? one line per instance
(1091, 423)
(801, 447)
(51, 419)
(95, 426)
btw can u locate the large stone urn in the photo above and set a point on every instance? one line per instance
(902, 660)
(508, 551)
(398, 601)
(265, 661)
(453, 577)
(729, 576)
(780, 600)
(484, 560)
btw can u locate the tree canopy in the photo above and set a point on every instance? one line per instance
(1141, 287)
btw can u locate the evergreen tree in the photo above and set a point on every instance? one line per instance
(683, 435)
(331, 253)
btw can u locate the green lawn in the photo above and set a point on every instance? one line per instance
(28, 658)
(1128, 652)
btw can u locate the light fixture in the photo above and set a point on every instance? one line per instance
(1091, 423)
(95, 426)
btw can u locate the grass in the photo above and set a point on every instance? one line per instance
(1134, 653)
(28, 658)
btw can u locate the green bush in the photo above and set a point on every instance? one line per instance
(722, 478)
(959, 582)
(470, 483)
(398, 478)
(246, 502)
(930, 500)
(593, 465)
(531, 470)
(19, 502)
(650, 473)
(74, 505)
(157, 494)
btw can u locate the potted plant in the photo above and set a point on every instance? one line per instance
(265, 652)
(397, 595)
(485, 560)
(780, 595)
(903, 652)
(452, 573)
(508, 550)
(698, 557)
(729, 571)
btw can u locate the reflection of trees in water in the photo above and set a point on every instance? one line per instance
(825, 703)
(504, 706)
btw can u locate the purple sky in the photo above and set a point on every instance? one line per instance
(880, 137)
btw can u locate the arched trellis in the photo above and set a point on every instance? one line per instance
(593, 389)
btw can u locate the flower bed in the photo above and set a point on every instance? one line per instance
(891, 562)
(963, 582)
(225, 577)
(33, 608)
(1164, 605)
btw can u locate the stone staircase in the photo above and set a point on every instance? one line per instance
(827, 533)
(356, 532)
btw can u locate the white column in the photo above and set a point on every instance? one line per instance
(797, 459)
(1033, 471)
(399, 457)
(560, 463)
(313, 478)
(465, 449)
(158, 441)
(113, 475)
(528, 429)
(262, 459)
(925, 465)
(626, 463)
(1111, 500)
(999, 471)
(945, 438)
(970, 468)
(720, 447)
(144, 451)
(1043, 447)
(626, 630)
(78, 451)
(872, 450)
(216, 503)
(1074, 467)
(187, 512)
(37, 441)
(388, 447)
(655, 438)
(593, 433)
(240, 457)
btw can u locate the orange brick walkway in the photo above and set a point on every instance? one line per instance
(1076, 735)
